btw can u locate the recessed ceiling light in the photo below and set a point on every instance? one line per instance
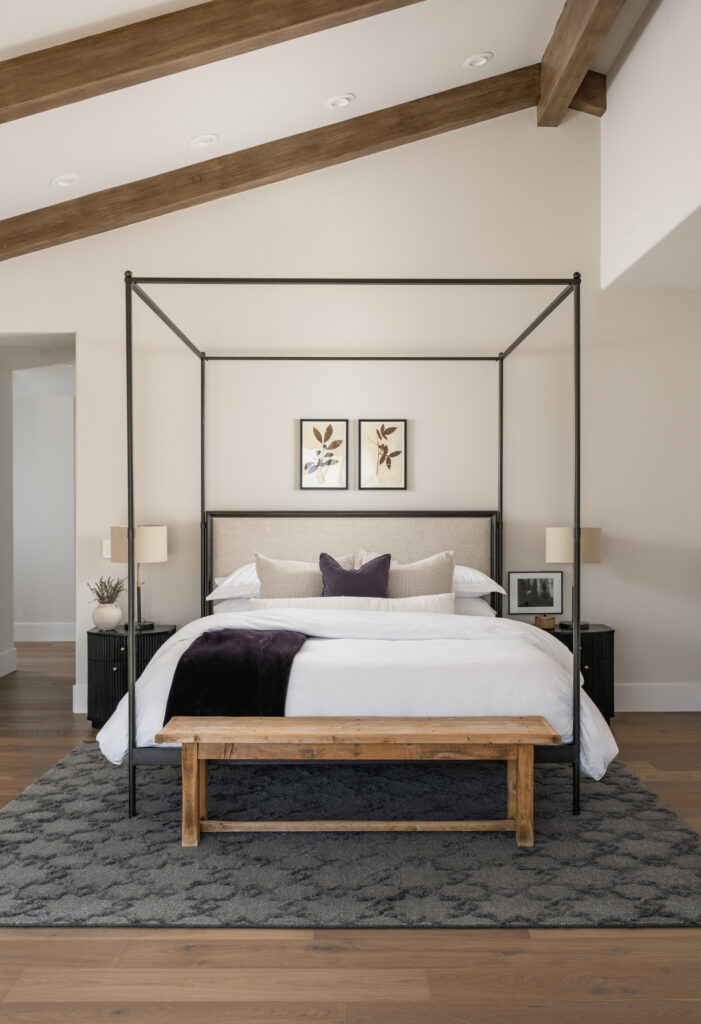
(478, 59)
(208, 139)
(342, 100)
(64, 180)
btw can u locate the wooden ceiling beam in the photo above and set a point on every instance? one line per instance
(164, 45)
(581, 29)
(590, 98)
(272, 161)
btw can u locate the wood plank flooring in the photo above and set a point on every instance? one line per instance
(174, 976)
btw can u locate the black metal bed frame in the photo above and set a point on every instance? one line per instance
(568, 753)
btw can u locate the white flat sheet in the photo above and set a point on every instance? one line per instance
(394, 663)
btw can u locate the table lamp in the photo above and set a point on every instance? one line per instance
(559, 547)
(150, 545)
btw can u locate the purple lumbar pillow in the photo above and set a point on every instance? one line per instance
(368, 581)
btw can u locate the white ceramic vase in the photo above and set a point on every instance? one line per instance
(107, 616)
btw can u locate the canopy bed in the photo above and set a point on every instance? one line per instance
(475, 536)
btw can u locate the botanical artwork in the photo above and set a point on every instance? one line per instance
(324, 454)
(382, 454)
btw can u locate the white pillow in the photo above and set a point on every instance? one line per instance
(243, 582)
(473, 606)
(441, 604)
(469, 582)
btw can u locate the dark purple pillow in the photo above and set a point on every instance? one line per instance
(368, 581)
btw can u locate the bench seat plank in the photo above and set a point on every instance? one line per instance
(502, 729)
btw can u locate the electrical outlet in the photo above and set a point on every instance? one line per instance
(107, 549)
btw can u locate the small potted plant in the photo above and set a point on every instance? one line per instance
(108, 614)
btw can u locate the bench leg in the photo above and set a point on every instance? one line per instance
(524, 797)
(511, 787)
(191, 795)
(202, 770)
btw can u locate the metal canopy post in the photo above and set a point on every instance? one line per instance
(131, 590)
(576, 566)
(203, 489)
(565, 752)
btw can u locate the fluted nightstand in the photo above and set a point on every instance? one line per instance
(597, 663)
(107, 666)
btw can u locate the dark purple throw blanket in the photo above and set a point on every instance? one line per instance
(234, 672)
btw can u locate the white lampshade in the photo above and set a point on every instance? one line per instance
(150, 544)
(559, 544)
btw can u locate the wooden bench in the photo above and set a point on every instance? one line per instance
(358, 739)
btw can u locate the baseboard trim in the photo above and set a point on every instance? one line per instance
(34, 632)
(80, 699)
(658, 696)
(8, 661)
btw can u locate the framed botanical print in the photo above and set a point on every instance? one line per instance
(532, 593)
(382, 455)
(323, 455)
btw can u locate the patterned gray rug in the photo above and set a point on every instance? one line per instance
(70, 856)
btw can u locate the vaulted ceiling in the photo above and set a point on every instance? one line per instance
(110, 107)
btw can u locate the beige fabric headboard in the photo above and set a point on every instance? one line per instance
(234, 536)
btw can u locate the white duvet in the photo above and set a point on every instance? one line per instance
(394, 663)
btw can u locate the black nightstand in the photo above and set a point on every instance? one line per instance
(107, 666)
(597, 663)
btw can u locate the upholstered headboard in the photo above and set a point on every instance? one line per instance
(232, 537)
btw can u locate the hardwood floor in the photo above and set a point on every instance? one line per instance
(37, 727)
(89, 976)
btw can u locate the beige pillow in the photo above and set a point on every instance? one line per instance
(433, 575)
(441, 604)
(281, 578)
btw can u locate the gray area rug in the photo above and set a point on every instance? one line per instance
(70, 856)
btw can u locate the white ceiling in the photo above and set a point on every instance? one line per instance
(267, 94)
(246, 100)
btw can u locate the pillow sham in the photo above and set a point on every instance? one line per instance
(370, 580)
(466, 582)
(283, 578)
(433, 575)
(473, 606)
(440, 604)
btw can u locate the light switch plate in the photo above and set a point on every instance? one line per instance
(107, 548)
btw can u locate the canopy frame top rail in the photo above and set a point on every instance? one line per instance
(569, 286)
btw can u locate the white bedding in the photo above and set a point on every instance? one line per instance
(394, 663)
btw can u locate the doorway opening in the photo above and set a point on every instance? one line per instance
(37, 488)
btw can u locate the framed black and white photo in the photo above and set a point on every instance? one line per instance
(382, 455)
(532, 593)
(323, 455)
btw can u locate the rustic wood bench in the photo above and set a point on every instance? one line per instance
(358, 739)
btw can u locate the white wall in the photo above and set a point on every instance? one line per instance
(18, 350)
(43, 485)
(498, 199)
(8, 656)
(651, 152)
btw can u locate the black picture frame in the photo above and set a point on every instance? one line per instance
(322, 425)
(523, 600)
(377, 426)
